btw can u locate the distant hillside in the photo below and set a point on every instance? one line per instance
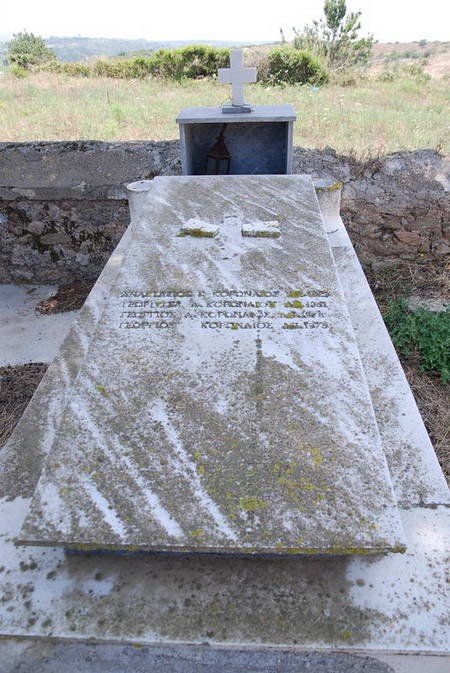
(81, 48)
(433, 57)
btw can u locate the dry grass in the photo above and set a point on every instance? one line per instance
(370, 116)
(17, 385)
(433, 400)
(417, 278)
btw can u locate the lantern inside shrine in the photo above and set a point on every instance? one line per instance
(218, 158)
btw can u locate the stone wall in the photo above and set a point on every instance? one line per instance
(63, 204)
(394, 207)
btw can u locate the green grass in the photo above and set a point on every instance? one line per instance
(371, 116)
(423, 334)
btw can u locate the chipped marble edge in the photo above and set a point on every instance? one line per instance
(417, 476)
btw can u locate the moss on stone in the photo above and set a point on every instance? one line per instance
(334, 187)
(267, 234)
(197, 233)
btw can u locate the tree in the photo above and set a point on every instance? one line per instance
(26, 49)
(334, 38)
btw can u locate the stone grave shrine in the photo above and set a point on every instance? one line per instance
(222, 405)
(250, 140)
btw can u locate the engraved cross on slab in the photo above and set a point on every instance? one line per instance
(237, 76)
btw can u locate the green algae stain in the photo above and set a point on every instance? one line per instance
(293, 294)
(197, 533)
(214, 608)
(251, 504)
(100, 388)
(328, 188)
(297, 482)
(317, 456)
(198, 462)
(267, 234)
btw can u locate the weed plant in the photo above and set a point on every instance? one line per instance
(422, 334)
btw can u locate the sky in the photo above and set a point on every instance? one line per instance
(234, 20)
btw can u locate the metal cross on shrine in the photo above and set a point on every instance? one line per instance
(237, 76)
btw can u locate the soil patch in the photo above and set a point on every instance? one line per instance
(69, 297)
(17, 386)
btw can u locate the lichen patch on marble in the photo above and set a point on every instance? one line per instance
(269, 229)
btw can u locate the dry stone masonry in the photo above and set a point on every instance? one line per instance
(63, 205)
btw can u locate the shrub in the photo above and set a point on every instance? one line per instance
(26, 50)
(348, 77)
(416, 72)
(71, 69)
(192, 62)
(108, 68)
(335, 37)
(423, 333)
(202, 61)
(292, 66)
(17, 71)
(386, 76)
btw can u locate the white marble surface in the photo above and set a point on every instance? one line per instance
(234, 358)
(237, 76)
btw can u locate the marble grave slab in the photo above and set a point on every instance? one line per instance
(222, 405)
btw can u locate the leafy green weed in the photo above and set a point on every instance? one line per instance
(422, 333)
